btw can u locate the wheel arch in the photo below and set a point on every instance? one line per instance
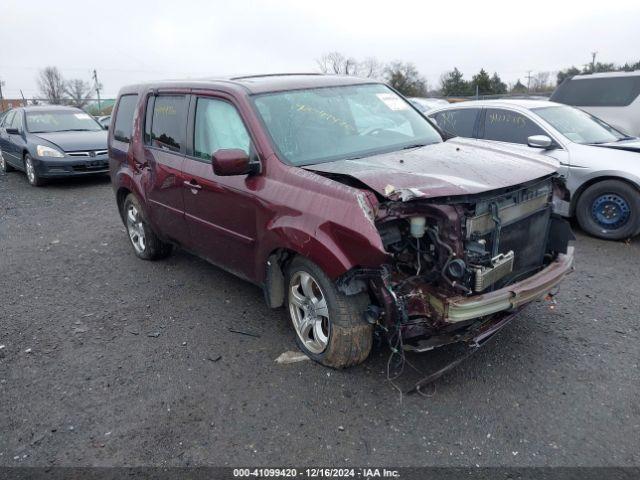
(330, 254)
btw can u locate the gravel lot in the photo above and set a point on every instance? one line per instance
(110, 360)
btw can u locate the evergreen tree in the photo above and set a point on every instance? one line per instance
(497, 85)
(519, 87)
(481, 83)
(452, 83)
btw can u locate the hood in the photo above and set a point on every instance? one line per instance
(629, 145)
(455, 167)
(76, 141)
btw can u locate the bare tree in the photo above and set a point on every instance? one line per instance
(79, 92)
(51, 85)
(540, 82)
(338, 64)
(370, 68)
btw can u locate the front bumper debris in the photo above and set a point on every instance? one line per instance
(512, 297)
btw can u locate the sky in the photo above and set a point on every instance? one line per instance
(133, 41)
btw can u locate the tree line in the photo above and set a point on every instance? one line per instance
(405, 77)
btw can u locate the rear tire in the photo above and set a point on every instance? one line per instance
(609, 209)
(4, 166)
(146, 244)
(330, 327)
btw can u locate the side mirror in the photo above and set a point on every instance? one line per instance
(13, 131)
(228, 162)
(540, 141)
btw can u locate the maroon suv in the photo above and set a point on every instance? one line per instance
(344, 203)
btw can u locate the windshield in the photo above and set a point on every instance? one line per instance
(579, 126)
(325, 124)
(62, 121)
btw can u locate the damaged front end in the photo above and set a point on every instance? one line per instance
(460, 267)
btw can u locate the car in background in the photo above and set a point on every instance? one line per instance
(601, 164)
(49, 142)
(613, 97)
(344, 203)
(427, 104)
(105, 121)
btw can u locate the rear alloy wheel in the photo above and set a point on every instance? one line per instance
(32, 175)
(330, 327)
(4, 166)
(146, 244)
(609, 209)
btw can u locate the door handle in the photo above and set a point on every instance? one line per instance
(192, 184)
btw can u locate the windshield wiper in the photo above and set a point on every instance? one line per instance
(415, 145)
(78, 130)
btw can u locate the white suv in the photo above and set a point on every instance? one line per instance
(614, 97)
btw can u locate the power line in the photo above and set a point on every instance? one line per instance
(97, 85)
(528, 77)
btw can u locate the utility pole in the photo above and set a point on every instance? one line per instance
(593, 61)
(1, 97)
(528, 77)
(97, 85)
(24, 100)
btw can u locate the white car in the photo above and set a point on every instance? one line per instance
(601, 165)
(614, 97)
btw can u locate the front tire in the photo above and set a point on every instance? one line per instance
(146, 244)
(32, 175)
(609, 209)
(330, 327)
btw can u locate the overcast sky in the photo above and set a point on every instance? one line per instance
(130, 41)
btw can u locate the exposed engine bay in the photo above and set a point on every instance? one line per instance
(460, 246)
(502, 238)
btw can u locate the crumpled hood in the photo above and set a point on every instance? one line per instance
(455, 167)
(76, 141)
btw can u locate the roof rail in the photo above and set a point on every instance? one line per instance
(243, 77)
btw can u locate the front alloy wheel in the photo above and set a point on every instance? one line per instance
(309, 312)
(30, 170)
(329, 325)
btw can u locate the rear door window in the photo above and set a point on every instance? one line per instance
(168, 127)
(509, 126)
(123, 126)
(459, 123)
(598, 92)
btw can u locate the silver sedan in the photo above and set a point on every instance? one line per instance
(601, 165)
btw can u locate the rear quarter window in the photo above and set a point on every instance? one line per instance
(598, 92)
(123, 125)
